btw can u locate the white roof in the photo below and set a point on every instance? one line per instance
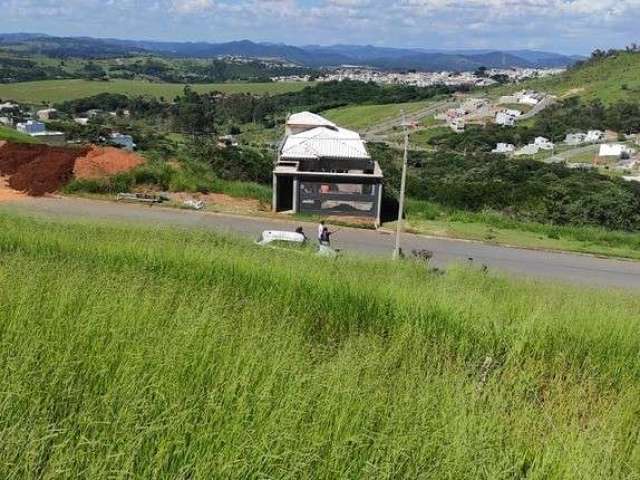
(309, 119)
(612, 150)
(325, 142)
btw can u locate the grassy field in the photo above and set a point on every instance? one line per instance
(53, 91)
(431, 219)
(609, 80)
(135, 353)
(361, 117)
(11, 135)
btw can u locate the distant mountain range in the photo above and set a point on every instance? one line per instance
(313, 56)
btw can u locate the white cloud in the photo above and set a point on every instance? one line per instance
(553, 24)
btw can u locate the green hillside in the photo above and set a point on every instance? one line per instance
(608, 79)
(158, 353)
(365, 116)
(9, 134)
(55, 91)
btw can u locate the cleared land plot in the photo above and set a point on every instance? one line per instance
(365, 116)
(53, 91)
(138, 353)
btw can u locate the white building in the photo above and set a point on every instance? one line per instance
(81, 121)
(575, 138)
(124, 141)
(513, 112)
(530, 98)
(31, 127)
(504, 148)
(506, 120)
(9, 106)
(47, 114)
(543, 143)
(458, 125)
(325, 170)
(594, 136)
(614, 150)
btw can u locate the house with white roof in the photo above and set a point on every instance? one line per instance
(458, 125)
(506, 120)
(504, 148)
(31, 127)
(325, 169)
(543, 143)
(594, 136)
(124, 141)
(47, 114)
(575, 138)
(614, 150)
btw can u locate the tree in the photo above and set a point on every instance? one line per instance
(195, 114)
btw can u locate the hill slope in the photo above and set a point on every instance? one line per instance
(137, 353)
(309, 56)
(608, 79)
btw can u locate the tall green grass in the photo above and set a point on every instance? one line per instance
(129, 353)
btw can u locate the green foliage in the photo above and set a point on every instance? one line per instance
(11, 135)
(590, 239)
(16, 69)
(176, 354)
(525, 189)
(243, 164)
(601, 79)
(326, 95)
(56, 91)
(121, 183)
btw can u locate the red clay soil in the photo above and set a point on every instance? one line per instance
(104, 162)
(37, 169)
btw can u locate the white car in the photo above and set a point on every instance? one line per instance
(279, 237)
(271, 236)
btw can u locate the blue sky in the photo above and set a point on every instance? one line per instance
(569, 26)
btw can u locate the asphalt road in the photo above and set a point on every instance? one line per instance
(571, 268)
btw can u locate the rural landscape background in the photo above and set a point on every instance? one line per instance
(158, 340)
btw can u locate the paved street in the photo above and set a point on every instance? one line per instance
(572, 268)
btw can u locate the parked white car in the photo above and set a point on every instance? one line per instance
(270, 236)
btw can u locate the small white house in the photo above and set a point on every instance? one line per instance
(458, 125)
(124, 141)
(504, 148)
(530, 98)
(31, 127)
(81, 121)
(614, 150)
(543, 143)
(575, 138)
(9, 106)
(47, 114)
(513, 112)
(594, 136)
(506, 120)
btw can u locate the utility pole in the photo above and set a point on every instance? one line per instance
(403, 187)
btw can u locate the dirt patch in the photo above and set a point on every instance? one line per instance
(572, 92)
(37, 169)
(104, 162)
(6, 192)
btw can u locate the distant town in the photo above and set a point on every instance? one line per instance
(478, 78)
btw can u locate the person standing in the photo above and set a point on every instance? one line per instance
(321, 228)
